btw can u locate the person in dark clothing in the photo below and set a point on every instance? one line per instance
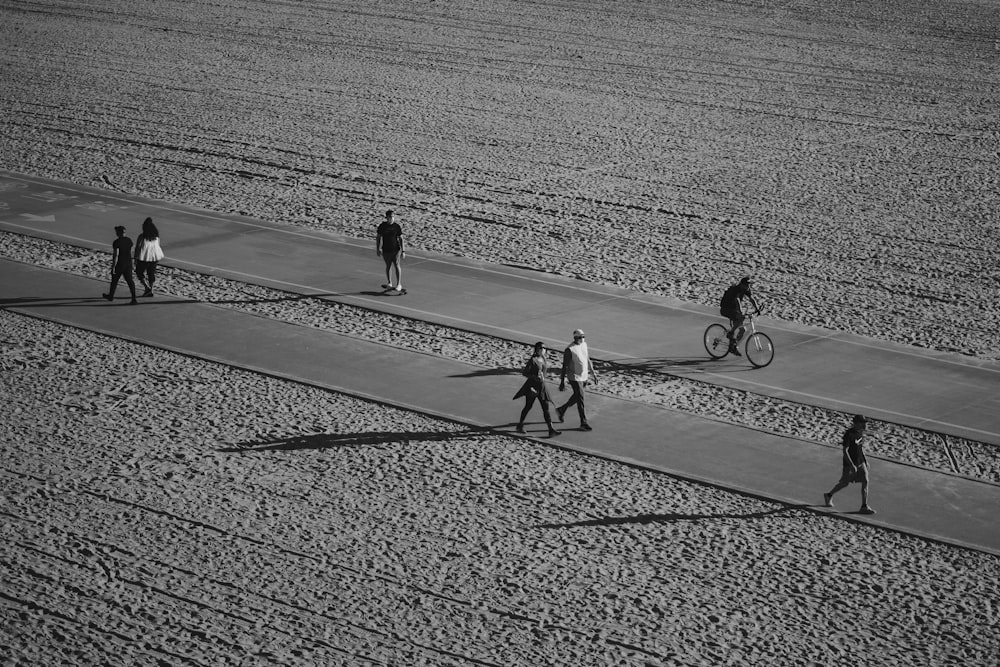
(121, 264)
(534, 388)
(855, 468)
(731, 306)
(389, 246)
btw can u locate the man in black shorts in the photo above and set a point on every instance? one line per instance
(855, 468)
(389, 246)
(731, 306)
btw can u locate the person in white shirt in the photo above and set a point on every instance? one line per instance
(147, 255)
(577, 364)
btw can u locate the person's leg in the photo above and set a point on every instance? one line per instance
(389, 259)
(571, 402)
(548, 418)
(578, 398)
(115, 277)
(140, 273)
(529, 401)
(863, 474)
(130, 281)
(399, 272)
(150, 276)
(845, 479)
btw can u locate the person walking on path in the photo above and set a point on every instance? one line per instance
(855, 464)
(731, 306)
(147, 254)
(389, 246)
(121, 264)
(576, 363)
(534, 388)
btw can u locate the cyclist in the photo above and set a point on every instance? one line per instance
(731, 306)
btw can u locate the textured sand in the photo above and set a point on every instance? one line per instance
(159, 509)
(847, 155)
(156, 512)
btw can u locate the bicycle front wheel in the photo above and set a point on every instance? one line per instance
(716, 342)
(759, 349)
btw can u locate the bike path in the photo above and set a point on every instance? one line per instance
(949, 508)
(944, 393)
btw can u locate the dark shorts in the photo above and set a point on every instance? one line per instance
(733, 315)
(859, 475)
(390, 257)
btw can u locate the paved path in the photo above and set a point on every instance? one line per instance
(941, 392)
(944, 393)
(946, 507)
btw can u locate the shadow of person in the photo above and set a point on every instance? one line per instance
(51, 301)
(334, 440)
(641, 519)
(486, 372)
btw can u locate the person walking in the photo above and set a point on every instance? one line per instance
(121, 264)
(576, 364)
(535, 370)
(855, 468)
(731, 306)
(389, 246)
(147, 255)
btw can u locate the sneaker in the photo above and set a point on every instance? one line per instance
(827, 500)
(586, 427)
(388, 286)
(520, 428)
(734, 350)
(148, 292)
(559, 413)
(553, 433)
(866, 510)
(133, 302)
(108, 297)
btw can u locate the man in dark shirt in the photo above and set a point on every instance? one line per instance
(731, 306)
(121, 264)
(389, 246)
(855, 464)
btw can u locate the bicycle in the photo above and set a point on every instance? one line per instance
(758, 346)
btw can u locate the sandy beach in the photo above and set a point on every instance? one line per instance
(160, 509)
(846, 157)
(230, 518)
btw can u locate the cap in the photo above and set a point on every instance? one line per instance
(860, 419)
(120, 228)
(578, 333)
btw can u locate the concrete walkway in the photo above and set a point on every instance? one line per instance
(944, 393)
(917, 501)
(936, 505)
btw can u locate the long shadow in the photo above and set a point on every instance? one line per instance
(669, 518)
(333, 440)
(59, 302)
(487, 372)
(679, 365)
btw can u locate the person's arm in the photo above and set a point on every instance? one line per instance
(590, 365)
(848, 441)
(562, 373)
(399, 239)
(378, 243)
(114, 257)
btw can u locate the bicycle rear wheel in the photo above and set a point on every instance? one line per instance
(759, 349)
(716, 342)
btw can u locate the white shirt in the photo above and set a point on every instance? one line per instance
(579, 361)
